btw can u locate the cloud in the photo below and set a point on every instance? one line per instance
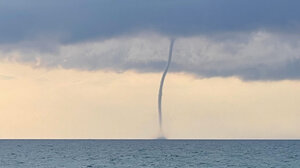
(6, 77)
(259, 55)
(77, 21)
(254, 40)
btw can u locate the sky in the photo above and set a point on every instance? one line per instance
(91, 69)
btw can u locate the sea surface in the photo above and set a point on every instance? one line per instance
(150, 153)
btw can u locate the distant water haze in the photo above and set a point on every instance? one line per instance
(60, 103)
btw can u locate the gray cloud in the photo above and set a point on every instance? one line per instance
(259, 55)
(254, 40)
(72, 21)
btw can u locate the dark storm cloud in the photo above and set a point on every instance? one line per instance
(253, 40)
(77, 20)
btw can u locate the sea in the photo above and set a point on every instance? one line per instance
(150, 153)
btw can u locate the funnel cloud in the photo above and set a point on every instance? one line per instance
(161, 87)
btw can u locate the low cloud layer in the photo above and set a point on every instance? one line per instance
(254, 40)
(259, 55)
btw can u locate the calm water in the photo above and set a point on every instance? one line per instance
(149, 153)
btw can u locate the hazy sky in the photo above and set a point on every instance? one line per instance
(91, 69)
